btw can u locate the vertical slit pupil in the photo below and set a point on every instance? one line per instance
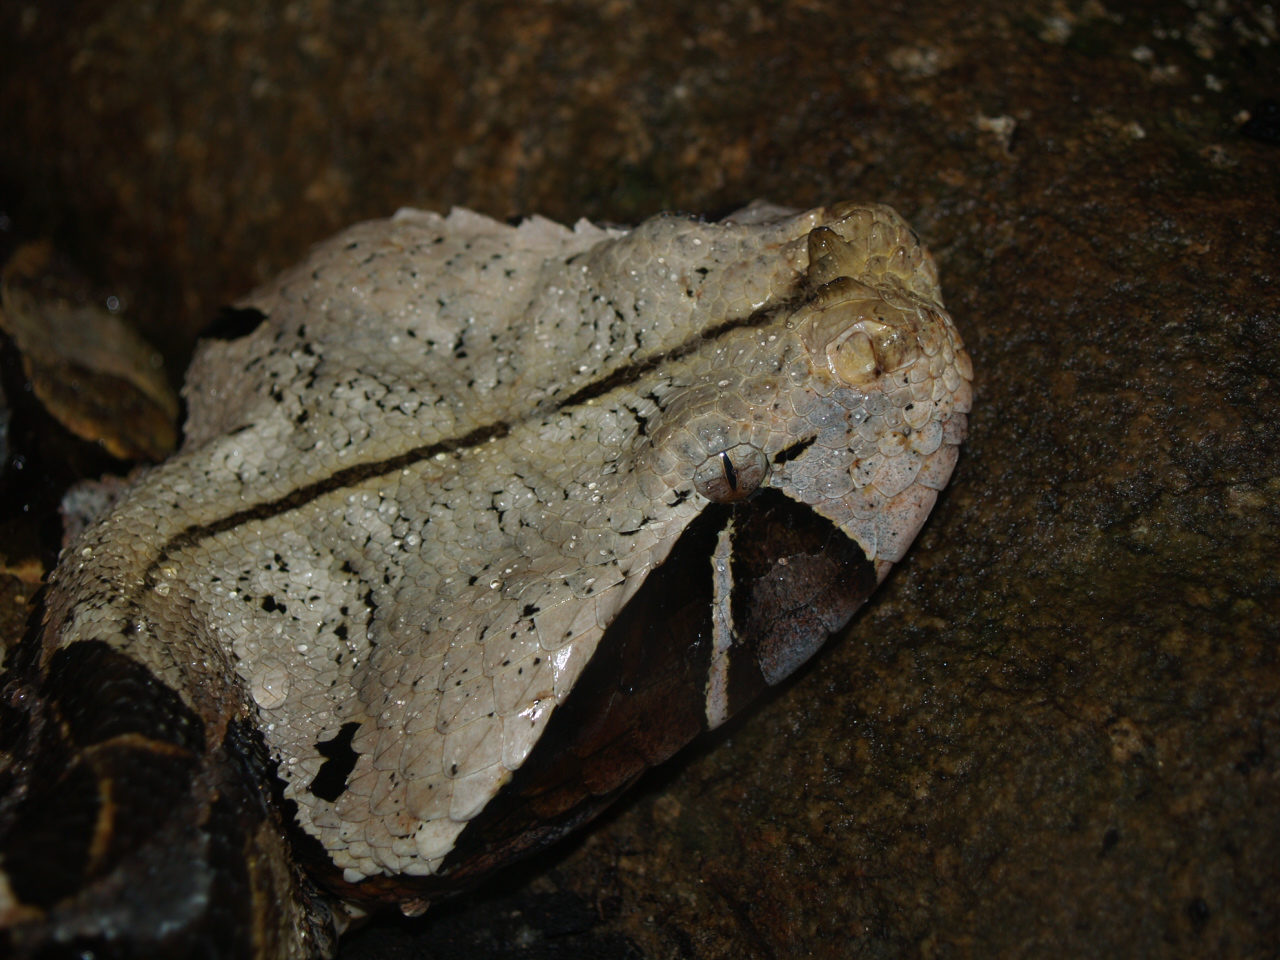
(730, 474)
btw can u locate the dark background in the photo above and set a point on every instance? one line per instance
(1055, 732)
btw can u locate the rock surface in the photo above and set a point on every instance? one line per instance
(1055, 731)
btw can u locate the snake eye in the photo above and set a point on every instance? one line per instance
(732, 474)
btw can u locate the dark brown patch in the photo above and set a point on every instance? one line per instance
(108, 753)
(137, 847)
(46, 843)
(796, 580)
(140, 786)
(360, 472)
(102, 694)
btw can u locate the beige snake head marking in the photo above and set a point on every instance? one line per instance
(861, 329)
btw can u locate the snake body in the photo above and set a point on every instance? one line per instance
(472, 524)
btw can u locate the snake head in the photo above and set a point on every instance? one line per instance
(892, 378)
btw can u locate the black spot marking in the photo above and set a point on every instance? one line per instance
(340, 760)
(794, 451)
(232, 323)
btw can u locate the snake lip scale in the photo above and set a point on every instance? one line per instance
(472, 524)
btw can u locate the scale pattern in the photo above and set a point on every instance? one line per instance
(413, 498)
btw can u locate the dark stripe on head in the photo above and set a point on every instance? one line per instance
(630, 373)
(361, 472)
(338, 480)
